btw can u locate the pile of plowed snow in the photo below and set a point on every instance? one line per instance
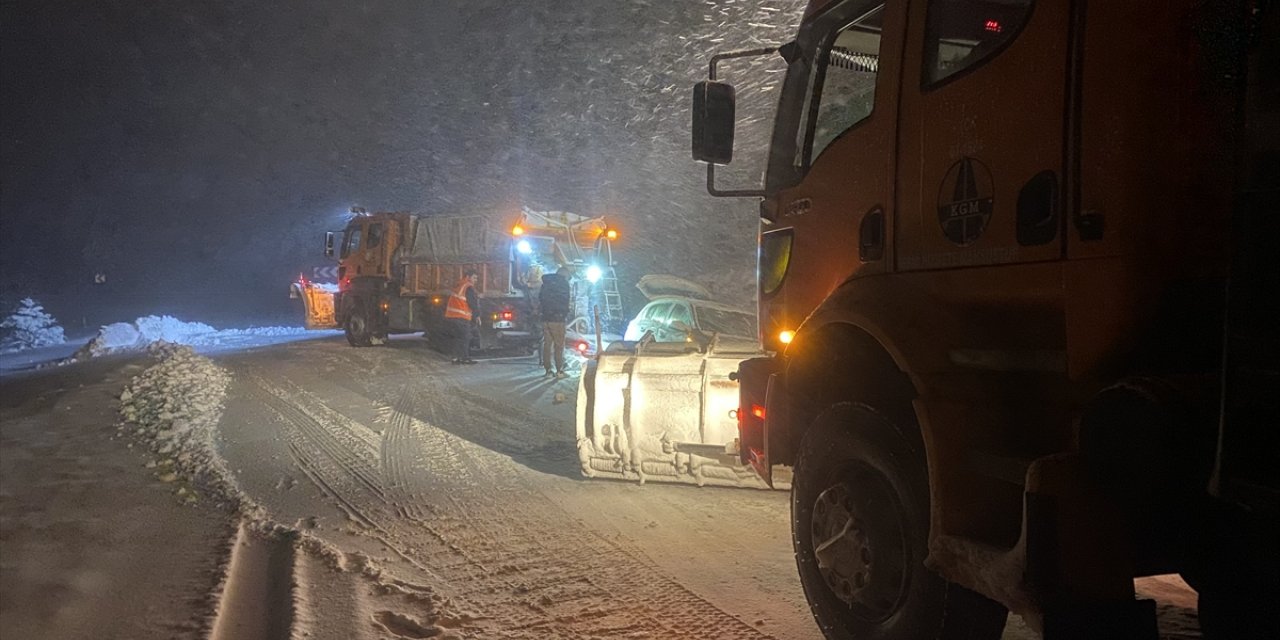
(135, 336)
(173, 408)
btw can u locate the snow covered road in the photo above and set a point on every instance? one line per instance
(463, 483)
(385, 493)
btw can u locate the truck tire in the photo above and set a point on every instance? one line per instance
(1236, 575)
(1238, 609)
(358, 327)
(859, 525)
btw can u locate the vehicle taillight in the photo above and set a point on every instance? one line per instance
(757, 411)
(582, 346)
(508, 315)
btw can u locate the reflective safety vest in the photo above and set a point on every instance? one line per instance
(457, 306)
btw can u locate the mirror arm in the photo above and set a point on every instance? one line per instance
(729, 193)
(715, 59)
(711, 168)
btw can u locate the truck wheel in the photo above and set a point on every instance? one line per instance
(1238, 610)
(1237, 576)
(358, 328)
(859, 524)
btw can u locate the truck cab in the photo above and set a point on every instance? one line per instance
(994, 249)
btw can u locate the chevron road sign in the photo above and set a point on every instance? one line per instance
(324, 273)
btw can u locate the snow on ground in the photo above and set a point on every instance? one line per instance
(133, 337)
(91, 544)
(136, 335)
(173, 407)
(395, 496)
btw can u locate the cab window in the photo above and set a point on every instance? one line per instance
(844, 80)
(375, 234)
(961, 35)
(352, 242)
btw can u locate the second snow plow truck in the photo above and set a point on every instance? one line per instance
(396, 270)
(1018, 276)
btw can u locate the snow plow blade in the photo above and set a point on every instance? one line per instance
(317, 304)
(663, 414)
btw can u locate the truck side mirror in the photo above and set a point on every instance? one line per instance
(713, 122)
(328, 244)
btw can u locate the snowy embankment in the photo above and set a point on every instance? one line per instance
(135, 336)
(173, 408)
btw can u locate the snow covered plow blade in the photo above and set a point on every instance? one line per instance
(317, 303)
(663, 412)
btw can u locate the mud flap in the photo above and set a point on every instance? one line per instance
(760, 401)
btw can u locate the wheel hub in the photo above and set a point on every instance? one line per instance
(357, 325)
(858, 549)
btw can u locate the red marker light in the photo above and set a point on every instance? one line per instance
(757, 411)
(993, 26)
(582, 346)
(507, 315)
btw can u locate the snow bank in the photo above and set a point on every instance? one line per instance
(135, 336)
(173, 408)
(29, 327)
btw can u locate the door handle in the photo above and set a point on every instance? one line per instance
(871, 236)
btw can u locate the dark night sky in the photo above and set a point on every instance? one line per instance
(195, 152)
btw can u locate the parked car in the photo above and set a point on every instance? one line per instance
(679, 310)
(660, 405)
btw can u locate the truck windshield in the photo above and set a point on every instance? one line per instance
(351, 242)
(829, 88)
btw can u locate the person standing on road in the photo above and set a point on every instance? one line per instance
(461, 313)
(554, 301)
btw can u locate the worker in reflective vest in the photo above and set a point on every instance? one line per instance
(461, 312)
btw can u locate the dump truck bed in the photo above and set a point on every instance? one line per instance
(438, 250)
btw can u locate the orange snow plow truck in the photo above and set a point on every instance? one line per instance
(1018, 278)
(396, 270)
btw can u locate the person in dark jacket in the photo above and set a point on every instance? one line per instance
(554, 302)
(462, 312)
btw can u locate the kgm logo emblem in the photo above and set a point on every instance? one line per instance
(965, 201)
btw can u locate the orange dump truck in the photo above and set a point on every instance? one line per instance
(1002, 246)
(396, 270)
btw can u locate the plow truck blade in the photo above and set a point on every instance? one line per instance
(661, 412)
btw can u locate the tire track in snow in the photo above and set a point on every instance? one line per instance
(498, 546)
(574, 583)
(352, 451)
(257, 601)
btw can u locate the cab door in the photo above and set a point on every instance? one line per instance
(981, 151)
(840, 113)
